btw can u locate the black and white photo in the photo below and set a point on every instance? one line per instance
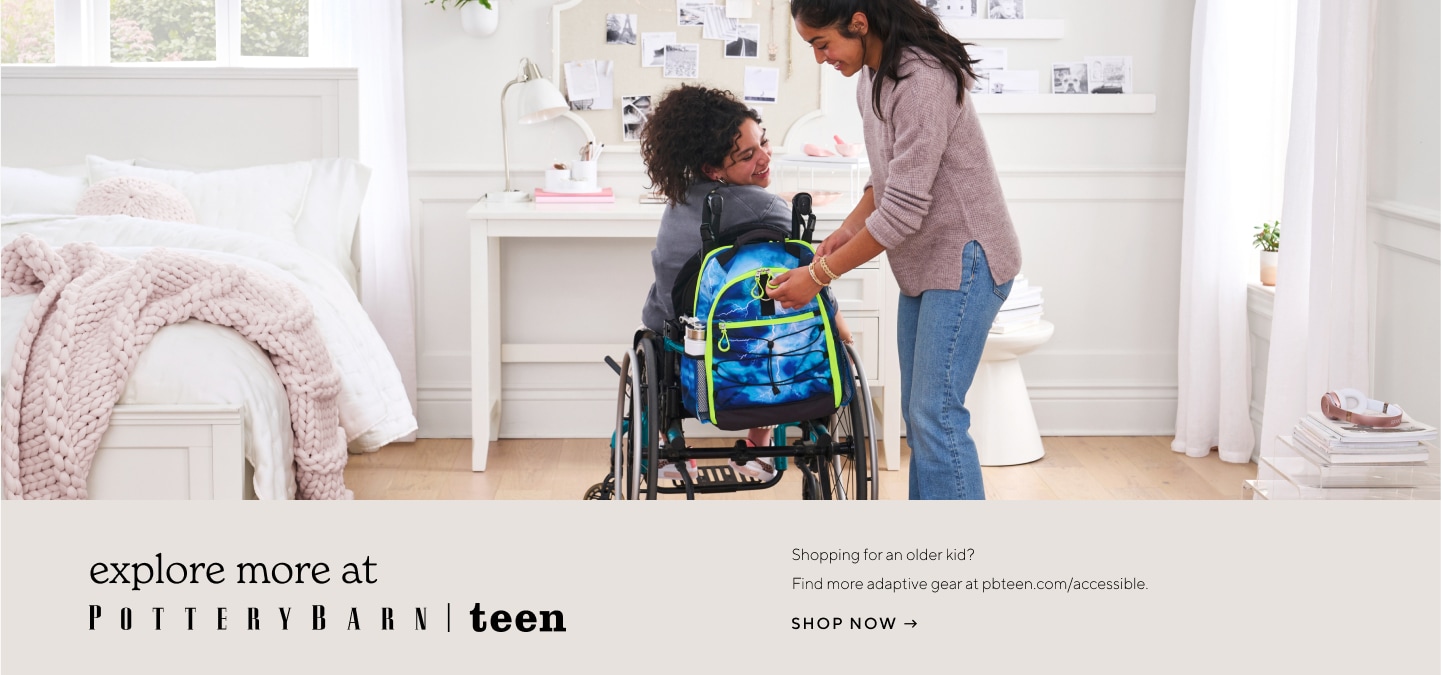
(718, 26)
(763, 85)
(953, 9)
(1109, 74)
(635, 110)
(582, 84)
(653, 48)
(1014, 81)
(746, 44)
(691, 12)
(620, 29)
(1005, 9)
(1069, 78)
(682, 61)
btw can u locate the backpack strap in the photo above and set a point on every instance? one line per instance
(711, 207)
(801, 213)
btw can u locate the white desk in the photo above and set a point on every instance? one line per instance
(869, 291)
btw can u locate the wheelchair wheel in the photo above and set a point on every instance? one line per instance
(651, 430)
(625, 448)
(851, 472)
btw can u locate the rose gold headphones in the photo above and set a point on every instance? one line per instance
(1350, 405)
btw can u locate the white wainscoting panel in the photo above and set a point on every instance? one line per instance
(1103, 242)
(1405, 281)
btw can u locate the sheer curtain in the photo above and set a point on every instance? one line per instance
(1236, 129)
(1319, 325)
(373, 45)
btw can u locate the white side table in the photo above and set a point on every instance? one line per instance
(1002, 422)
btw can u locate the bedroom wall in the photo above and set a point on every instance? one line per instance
(1403, 202)
(1096, 200)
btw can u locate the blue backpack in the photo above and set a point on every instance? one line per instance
(761, 364)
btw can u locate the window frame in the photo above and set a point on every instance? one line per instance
(82, 38)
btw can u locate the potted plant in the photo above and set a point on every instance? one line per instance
(1267, 238)
(478, 17)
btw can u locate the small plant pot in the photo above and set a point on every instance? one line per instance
(479, 21)
(1269, 268)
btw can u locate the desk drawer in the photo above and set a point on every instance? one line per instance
(865, 333)
(858, 290)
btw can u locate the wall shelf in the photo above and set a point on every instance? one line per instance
(1136, 104)
(1006, 29)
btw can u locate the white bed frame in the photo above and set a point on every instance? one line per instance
(202, 117)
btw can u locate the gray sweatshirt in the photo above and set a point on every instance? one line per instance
(680, 236)
(933, 179)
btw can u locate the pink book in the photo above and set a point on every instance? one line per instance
(600, 196)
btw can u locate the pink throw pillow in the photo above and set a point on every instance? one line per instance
(138, 197)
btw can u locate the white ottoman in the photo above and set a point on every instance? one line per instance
(1002, 422)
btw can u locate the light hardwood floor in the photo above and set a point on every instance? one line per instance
(1075, 467)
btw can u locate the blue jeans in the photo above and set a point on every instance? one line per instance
(940, 335)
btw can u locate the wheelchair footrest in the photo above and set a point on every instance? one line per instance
(715, 478)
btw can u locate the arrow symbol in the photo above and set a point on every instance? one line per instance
(911, 623)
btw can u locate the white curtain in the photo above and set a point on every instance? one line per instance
(1319, 325)
(387, 281)
(1240, 75)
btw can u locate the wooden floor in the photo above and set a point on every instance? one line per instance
(1075, 467)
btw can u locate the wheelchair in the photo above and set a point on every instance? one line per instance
(835, 455)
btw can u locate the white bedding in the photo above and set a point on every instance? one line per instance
(196, 362)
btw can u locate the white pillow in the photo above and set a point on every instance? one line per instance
(261, 200)
(327, 223)
(35, 191)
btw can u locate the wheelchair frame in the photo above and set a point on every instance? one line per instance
(836, 455)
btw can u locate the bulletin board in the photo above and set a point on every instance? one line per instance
(579, 31)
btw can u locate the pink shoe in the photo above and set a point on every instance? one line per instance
(668, 471)
(760, 468)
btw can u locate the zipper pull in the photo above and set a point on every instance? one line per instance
(724, 343)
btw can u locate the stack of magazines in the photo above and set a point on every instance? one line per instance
(1338, 442)
(1022, 309)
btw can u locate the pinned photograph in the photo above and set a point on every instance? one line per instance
(718, 26)
(1109, 74)
(1005, 9)
(682, 61)
(763, 85)
(1069, 78)
(635, 110)
(746, 44)
(953, 9)
(691, 12)
(738, 9)
(582, 84)
(1014, 81)
(653, 48)
(620, 29)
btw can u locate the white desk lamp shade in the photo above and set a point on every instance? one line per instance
(539, 101)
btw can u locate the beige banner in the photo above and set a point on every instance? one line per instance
(1023, 587)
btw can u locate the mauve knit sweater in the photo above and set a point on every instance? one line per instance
(933, 179)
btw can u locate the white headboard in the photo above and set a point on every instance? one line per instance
(201, 117)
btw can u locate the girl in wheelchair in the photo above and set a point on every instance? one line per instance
(699, 141)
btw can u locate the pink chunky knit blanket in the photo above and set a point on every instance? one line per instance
(96, 312)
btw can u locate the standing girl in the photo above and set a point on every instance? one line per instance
(934, 204)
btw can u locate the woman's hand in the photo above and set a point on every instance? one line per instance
(834, 242)
(793, 289)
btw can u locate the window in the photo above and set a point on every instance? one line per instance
(133, 32)
(27, 31)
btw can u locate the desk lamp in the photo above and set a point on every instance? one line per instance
(539, 101)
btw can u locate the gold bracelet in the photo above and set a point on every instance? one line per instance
(826, 268)
(811, 269)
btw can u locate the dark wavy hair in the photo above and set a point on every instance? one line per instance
(692, 127)
(899, 24)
